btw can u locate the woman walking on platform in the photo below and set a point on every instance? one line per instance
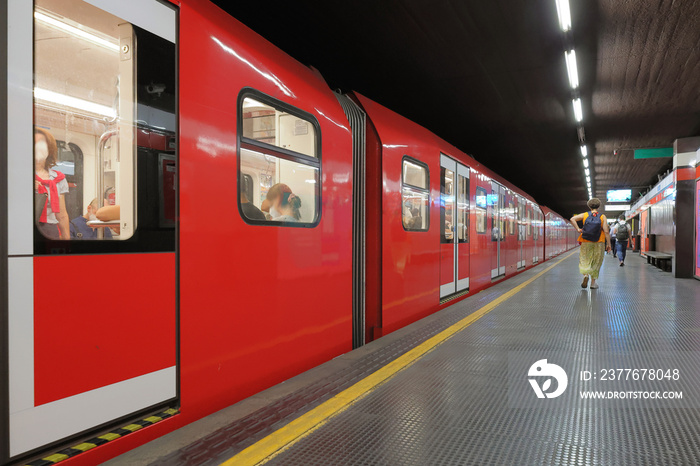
(594, 239)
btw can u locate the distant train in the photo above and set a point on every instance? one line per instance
(265, 224)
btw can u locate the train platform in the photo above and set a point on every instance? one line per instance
(457, 387)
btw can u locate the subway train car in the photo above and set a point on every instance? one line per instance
(144, 287)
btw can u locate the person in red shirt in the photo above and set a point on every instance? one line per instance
(52, 221)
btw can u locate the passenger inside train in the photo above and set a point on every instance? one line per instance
(415, 195)
(289, 208)
(280, 148)
(79, 227)
(248, 208)
(109, 107)
(272, 200)
(50, 188)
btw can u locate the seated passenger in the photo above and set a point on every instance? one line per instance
(289, 208)
(79, 229)
(272, 200)
(247, 207)
(416, 221)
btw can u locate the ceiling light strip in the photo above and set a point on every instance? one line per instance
(564, 13)
(578, 110)
(73, 102)
(571, 68)
(74, 31)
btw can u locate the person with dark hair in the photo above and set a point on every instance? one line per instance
(247, 207)
(623, 232)
(613, 239)
(51, 184)
(288, 208)
(416, 221)
(272, 199)
(594, 240)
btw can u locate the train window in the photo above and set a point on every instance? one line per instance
(89, 92)
(268, 124)
(511, 218)
(447, 200)
(529, 222)
(463, 210)
(480, 210)
(502, 216)
(415, 195)
(279, 163)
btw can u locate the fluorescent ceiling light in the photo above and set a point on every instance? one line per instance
(588, 172)
(588, 178)
(585, 163)
(73, 102)
(578, 111)
(571, 68)
(584, 151)
(564, 14)
(618, 207)
(74, 31)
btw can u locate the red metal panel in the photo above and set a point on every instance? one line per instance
(463, 259)
(447, 263)
(697, 228)
(260, 303)
(99, 320)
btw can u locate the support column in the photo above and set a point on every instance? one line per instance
(684, 161)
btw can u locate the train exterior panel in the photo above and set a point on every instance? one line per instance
(189, 299)
(271, 300)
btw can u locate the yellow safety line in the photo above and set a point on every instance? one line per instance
(299, 428)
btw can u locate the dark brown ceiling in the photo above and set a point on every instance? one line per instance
(490, 78)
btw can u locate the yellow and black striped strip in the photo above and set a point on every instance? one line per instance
(102, 439)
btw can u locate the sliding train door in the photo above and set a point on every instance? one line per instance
(454, 230)
(462, 225)
(496, 204)
(521, 223)
(92, 218)
(697, 228)
(448, 214)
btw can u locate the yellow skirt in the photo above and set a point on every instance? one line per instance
(590, 259)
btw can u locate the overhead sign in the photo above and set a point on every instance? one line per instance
(658, 152)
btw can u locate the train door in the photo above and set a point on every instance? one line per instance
(448, 214)
(521, 232)
(697, 228)
(454, 230)
(92, 303)
(462, 272)
(643, 229)
(496, 203)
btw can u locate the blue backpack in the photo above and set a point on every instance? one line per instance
(591, 227)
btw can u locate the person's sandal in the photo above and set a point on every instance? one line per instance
(594, 286)
(585, 282)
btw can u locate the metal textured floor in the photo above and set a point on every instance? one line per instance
(452, 407)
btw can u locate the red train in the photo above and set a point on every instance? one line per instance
(175, 126)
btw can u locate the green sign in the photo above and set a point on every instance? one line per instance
(653, 153)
